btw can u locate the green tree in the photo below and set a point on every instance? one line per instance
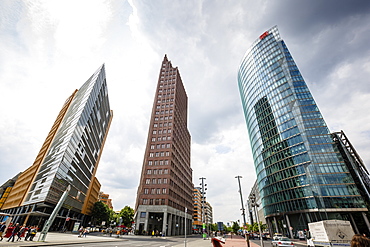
(227, 229)
(100, 212)
(235, 227)
(127, 214)
(255, 228)
(214, 227)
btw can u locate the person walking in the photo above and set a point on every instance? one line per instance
(85, 232)
(21, 232)
(2, 230)
(28, 233)
(33, 232)
(16, 229)
(81, 231)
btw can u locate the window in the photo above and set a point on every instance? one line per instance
(151, 154)
(165, 180)
(155, 171)
(159, 181)
(167, 153)
(150, 162)
(153, 139)
(154, 181)
(152, 191)
(154, 132)
(146, 191)
(168, 145)
(158, 191)
(145, 202)
(157, 154)
(149, 171)
(160, 171)
(165, 171)
(147, 181)
(143, 214)
(152, 146)
(164, 191)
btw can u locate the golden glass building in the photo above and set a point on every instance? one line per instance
(69, 156)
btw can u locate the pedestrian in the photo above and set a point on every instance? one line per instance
(359, 240)
(153, 233)
(85, 232)
(33, 233)
(28, 233)
(16, 229)
(21, 232)
(2, 230)
(81, 231)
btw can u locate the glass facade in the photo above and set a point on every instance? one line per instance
(74, 152)
(298, 166)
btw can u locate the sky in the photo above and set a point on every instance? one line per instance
(50, 48)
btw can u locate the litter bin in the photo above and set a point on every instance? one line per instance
(216, 242)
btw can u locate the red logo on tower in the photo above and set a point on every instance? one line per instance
(264, 35)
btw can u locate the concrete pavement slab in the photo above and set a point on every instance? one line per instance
(53, 238)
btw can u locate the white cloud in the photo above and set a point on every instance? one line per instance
(50, 48)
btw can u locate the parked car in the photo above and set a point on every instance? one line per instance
(253, 235)
(282, 242)
(277, 236)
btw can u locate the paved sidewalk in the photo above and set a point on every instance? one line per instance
(237, 241)
(54, 238)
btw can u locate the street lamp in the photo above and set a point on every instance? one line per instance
(203, 207)
(243, 210)
(254, 204)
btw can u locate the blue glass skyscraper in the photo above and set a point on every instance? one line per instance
(301, 175)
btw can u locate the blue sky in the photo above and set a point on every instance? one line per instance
(50, 48)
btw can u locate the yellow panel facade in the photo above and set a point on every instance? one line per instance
(24, 181)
